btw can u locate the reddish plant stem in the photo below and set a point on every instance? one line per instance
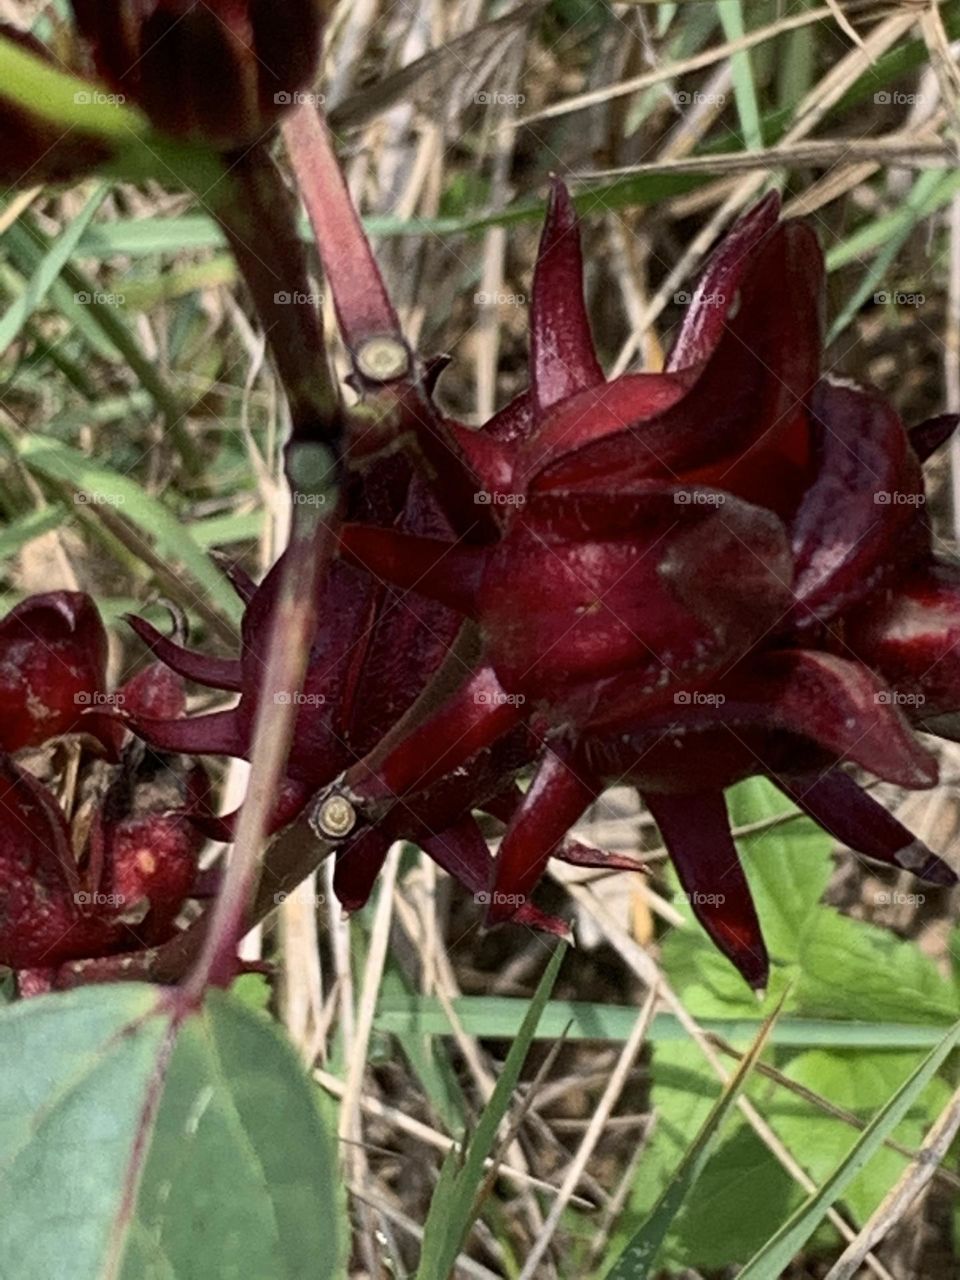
(292, 626)
(363, 306)
(258, 215)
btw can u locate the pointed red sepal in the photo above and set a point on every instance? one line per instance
(560, 793)
(927, 437)
(472, 718)
(838, 704)
(910, 635)
(585, 855)
(462, 852)
(53, 656)
(359, 862)
(838, 804)
(219, 733)
(215, 673)
(715, 297)
(861, 516)
(599, 432)
(741, 424)
(563, 359)
(696, 832)
(441, 570)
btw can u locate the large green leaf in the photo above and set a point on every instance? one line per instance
(638, 1258)
(860, 1083)
(773, 1259)
(133, 1145)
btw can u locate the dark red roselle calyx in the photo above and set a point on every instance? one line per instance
(658, 575)
(53, 658)
(643, 647)
(109, 875)
(216, 71)
(122, 895)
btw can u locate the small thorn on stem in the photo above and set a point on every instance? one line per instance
(382, 359)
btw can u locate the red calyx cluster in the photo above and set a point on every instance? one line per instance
(110, 876)
(678, 579)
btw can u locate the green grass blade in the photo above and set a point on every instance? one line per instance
(452, 1213)
(923, 190)
(164, 531)
(49, 269)
(775, 1256)
(500, 1017)
(637, 1259)
(16, 535)
(741, 69)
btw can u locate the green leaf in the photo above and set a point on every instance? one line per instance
(239, 1175)
(773, 1259)
(850, 969)
(859, 1083)
(788, 866)
(171, 538)
(637, 1259)
(454, 1208)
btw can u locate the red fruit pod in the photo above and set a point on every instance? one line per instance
(44, 912)
(53, 656)
(151, 863)
(216, 71)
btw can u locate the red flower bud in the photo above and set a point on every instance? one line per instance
(218, 71)
(53, 654)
